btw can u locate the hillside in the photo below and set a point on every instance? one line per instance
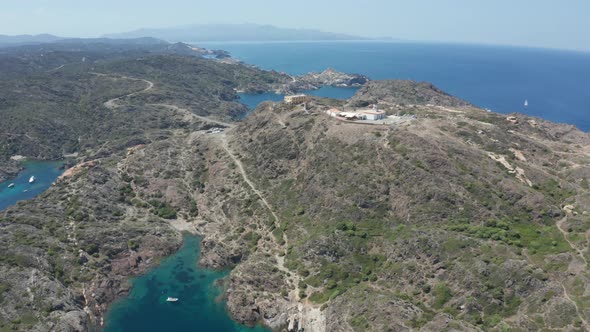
(458, 219)
(453, 218)
(53, 96)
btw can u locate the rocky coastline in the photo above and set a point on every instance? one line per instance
(459, 219)
(311, 81)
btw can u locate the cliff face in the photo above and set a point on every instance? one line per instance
(455, 218)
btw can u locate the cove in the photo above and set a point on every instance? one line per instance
(253, 100)
(145, 308)
(45, 172)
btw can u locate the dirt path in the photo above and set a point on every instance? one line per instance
(258, 193)
(580, 312)
(560, 227)
(309, 316)
(113, 103)
(55, 69)
(564, 232)
(191, 114)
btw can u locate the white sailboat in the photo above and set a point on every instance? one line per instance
(171, 299)
(526, 103)
(32, 179)
(11, 185)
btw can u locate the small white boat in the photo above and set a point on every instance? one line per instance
(11, 185)
(171, 299)
(32, 179)
(25, 190)
(526, 103)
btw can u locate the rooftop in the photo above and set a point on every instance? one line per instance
(372, 112)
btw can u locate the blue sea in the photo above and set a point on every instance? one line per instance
(555, 83)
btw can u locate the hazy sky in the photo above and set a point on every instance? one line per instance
(545, 23)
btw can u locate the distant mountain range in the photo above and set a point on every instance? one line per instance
(27, 39)
(192, 33)
(233, 32)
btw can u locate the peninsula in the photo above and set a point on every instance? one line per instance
(455, 218)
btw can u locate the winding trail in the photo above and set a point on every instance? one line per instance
(55, 69)
(309, 316)
(564, 232)
(199, 117)
(580, 253)
(258, 193)
(113, 103)
(578, 310)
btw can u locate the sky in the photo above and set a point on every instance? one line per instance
(539, 23)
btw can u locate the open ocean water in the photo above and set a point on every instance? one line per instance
(556, 83)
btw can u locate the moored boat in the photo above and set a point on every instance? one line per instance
(32, 179)
(11, 185)
(171, 299)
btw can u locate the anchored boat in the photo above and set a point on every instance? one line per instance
(32, 179)
(171, 299)
(11, 185)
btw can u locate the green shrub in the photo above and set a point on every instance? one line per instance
(163, 209)
(442, 294)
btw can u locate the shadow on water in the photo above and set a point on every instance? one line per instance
(146, 308)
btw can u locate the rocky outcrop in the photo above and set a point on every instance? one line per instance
(404, 92)
(8, 169)
(328, 77)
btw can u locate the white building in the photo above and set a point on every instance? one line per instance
(374, 114)
(333, 112)
(371, 115)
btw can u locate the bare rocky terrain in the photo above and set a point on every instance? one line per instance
(459, 220)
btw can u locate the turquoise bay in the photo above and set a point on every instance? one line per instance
(252, 100)
(45, 172)
(197, 309)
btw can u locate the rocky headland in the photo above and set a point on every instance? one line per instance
(288, 84)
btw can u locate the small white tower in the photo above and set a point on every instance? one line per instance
(305, 108)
